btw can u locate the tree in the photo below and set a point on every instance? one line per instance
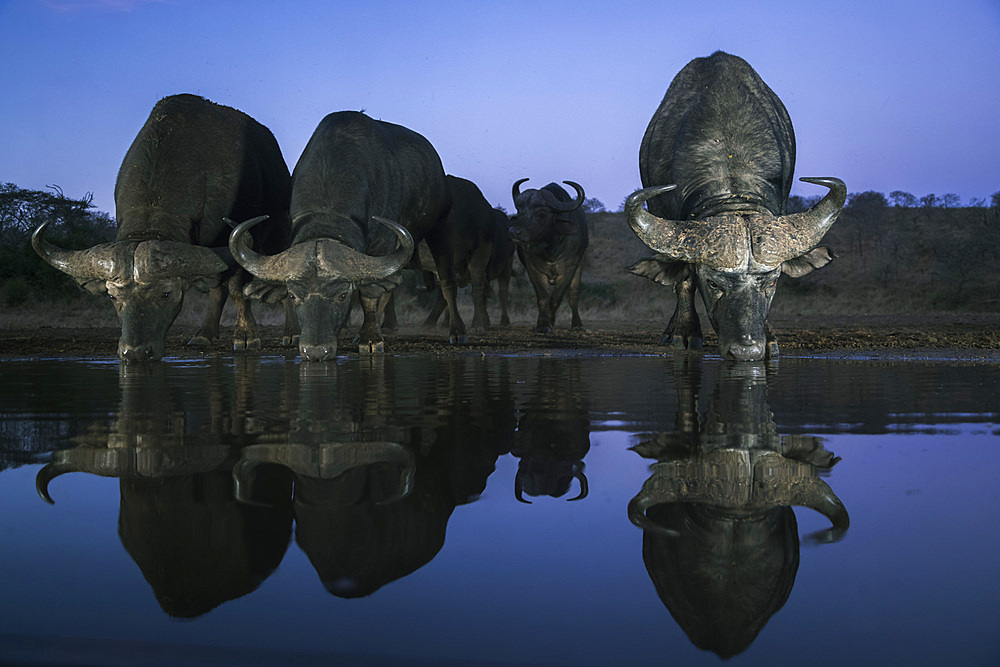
(868, 200)
(951, 200)
(995, 199)
(930, 201)
(901, 199)
(593, 205)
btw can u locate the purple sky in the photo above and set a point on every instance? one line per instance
(885, 95)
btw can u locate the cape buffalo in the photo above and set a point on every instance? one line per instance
(721, 151)
(355, 179)
(192, 164)
(551, 237)
(481, 248)
(720, 537)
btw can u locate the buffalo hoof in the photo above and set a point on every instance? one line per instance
(290, 341)
(246, 345)
(543, 329)
(199, 341)
(772, 349)
(371, 347)
(460, 339)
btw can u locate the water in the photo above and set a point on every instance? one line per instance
(376, 515)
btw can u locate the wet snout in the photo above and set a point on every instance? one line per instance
(311, 352)
(143, 352)
(745, 348)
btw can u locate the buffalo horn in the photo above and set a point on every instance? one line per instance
(817, 495)
(515, 191)
(90, 264)
(793, 235)
(48, 473)
(565, 207)
(584, 487)
(328, 256)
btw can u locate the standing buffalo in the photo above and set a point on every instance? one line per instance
(481, 248)
(551, 237)
(721, 150)
(193, 164)
(356, 178)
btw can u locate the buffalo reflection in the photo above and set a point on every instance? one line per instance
(196, 546)
(553, 433)
(720, 539)
(368, 468)
(372, 499)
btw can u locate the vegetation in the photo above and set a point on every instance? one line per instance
(896, 253)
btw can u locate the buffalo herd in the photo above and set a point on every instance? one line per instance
(204, 199)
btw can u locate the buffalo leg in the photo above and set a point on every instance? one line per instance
(771, 351)
(480, 288)
(439, 307)
(441, 250)
(290, 337)
(387, 313)
(684, 329)
(574, 296)
(246, 335)
(503, 288)
(209, 329)
(370, 339)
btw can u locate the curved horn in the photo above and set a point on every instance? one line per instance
(818, 496)
(720, 242)
(637, 515)
(584, 487)
(793, 235)
(48, 473)
(90, 264)
(274, 268)
(373, 269)
(515, 191)
(565, 207)
(519, 489)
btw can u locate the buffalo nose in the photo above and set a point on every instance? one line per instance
(746, 349)
(130, 353)
(317, 352)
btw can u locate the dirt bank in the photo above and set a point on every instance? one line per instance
(971, 335)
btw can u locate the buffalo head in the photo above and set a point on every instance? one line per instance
(146, 281)
(540, 213)
(736, 257)
(320, 276)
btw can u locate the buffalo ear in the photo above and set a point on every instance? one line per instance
(814, 259)
(265, 291)
(205, 283)
(661, 269)
(97, 286)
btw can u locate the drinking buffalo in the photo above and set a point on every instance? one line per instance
(481, 248)
(721, 151)
(192, 164)
(356, 178)
(551, 237)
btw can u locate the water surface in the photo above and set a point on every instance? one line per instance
(546, 509)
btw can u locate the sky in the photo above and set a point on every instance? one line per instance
(886, 95)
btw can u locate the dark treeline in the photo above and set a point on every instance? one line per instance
(74, 224)
(895, 253)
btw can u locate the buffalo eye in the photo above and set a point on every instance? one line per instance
(343, 296)
(165, 296)
(714, 286)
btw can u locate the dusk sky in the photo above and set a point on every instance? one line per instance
(897, 95)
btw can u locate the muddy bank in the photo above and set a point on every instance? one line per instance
(971, 335)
